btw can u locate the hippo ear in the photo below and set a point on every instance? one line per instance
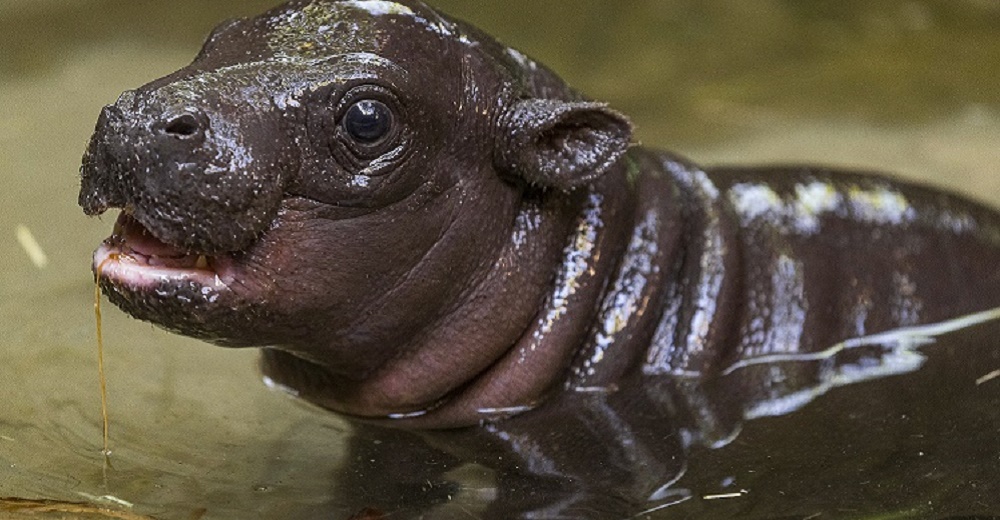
(560, 144)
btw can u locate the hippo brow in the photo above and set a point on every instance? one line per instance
(324, 71)
(315, 65)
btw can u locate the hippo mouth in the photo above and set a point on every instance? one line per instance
(133, 257)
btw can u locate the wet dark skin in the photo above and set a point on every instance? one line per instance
(428, 231)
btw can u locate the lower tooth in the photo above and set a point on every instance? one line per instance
(202, 262)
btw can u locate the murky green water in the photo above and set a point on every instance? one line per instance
(906, 86)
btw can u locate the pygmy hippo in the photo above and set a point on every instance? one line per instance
(427, 230)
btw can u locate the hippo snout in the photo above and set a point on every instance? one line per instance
(186, 167)
(102, 183)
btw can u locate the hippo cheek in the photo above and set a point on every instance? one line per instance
(230, 299)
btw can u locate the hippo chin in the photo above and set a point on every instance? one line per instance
(428, 230)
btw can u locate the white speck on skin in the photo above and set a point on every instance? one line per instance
(781, 312)
(527, 222)
(709, 287)
(880, 206)
(626, 300)
(755, 200)
(668, 356)
(906, 306)
(576, 258)
(817, 197)
(957, 223)
(697, 178)
(380, 7)
(813, 200)
(801, 213)
(520, 58)
(360, 181)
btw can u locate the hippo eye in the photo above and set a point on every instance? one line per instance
(368, 121)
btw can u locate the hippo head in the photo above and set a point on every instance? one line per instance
(331, 176)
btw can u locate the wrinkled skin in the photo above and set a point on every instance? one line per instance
(427, 230)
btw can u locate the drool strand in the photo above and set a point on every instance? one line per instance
(100, 361)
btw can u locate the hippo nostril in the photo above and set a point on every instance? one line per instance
(185, 125)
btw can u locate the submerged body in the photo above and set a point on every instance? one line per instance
(427, 230)
(691, 273)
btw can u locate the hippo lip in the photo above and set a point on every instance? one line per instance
(133, 257)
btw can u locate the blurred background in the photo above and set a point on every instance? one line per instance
(908, 86)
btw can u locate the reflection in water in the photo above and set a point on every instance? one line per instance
(639, 449)
(636, 451)
(852, 361)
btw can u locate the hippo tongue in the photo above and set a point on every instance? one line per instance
(136, 240)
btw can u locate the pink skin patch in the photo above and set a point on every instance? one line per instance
(134, 258)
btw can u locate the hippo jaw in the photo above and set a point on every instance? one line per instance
(134, 257)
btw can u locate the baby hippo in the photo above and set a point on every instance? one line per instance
(427, 230)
